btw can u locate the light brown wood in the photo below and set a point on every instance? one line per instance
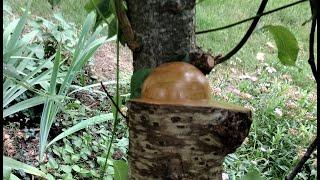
(176, 81)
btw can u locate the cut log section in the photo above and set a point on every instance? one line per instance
(183, 142)
(178, 133)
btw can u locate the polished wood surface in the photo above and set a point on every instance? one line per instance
(176, 82)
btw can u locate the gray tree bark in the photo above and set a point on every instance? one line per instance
(165, 30)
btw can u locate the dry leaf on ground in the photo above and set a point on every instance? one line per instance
(260, 56)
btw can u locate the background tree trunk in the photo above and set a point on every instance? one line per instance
(165, 30)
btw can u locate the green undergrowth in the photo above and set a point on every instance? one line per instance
(283, 99)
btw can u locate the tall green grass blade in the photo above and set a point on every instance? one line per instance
(85, 56)
(7, 33)
(16, 90)
(50, 108)
(82, 54)
(89, 87)
(19, 28)
(23, 105)
(24, 57)
(6, 171)
(53, 81)
(14, 164)
(86, 29)
(28, 103)
(11, 71)
(44, 123)
(13, 177)
(83, 124)
(25, 85)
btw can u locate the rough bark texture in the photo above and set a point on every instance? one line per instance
(165, 30)
(183, 142)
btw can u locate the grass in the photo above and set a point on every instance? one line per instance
(292, 18)
(275, 139)
(283, 99)
(72, 10)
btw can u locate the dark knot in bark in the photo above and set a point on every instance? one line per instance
(203, 60)
(173, 6)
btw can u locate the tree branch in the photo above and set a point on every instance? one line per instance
(250, 18)
(313, 145)
(303, 160)
(114, 103)
(204, 61)
(125, 26)
(311, 42)
(246, 36)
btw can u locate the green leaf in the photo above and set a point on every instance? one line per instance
(50, 107)
(6, 172)
(75, 157)
(18, 29)
(53, 81)
(77, 141)
(137, 80)
(50, 177)
(53, 163)
(66, 168)
(13, 177)
(112, 28)
(67, 176)
(14, 164)
(76, 168)
(286, 43)
(7, 32)
(101, 161)
(120, 170)
(102, 9)
(69, 149)
(252, 175)
(23, 105)
(84, 171)
(83, 124)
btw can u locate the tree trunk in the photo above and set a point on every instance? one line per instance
(177, 141)
(165, 30)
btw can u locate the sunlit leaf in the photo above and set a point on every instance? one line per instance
(286, 43)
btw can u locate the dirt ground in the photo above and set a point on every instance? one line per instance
(104, 65)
